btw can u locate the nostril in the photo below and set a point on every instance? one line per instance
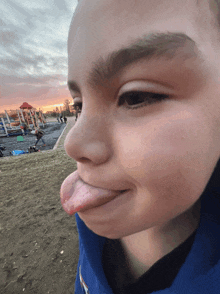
(83, 159)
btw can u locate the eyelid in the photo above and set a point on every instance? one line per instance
(77, 99)
(74, 93)
(146, 86)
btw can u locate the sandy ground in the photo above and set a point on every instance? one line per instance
(52, 132)
(38, 240)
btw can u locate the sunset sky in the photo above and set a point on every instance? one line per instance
(33, 52)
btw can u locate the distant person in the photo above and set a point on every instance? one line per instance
(24, 126)
(58, 120)
(65, 119)
(39, 134)
(61, 118)
(2, 148)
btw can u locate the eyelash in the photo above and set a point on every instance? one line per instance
(146, 98)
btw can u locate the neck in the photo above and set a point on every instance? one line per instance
(145, 248)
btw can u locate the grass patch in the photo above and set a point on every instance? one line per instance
(35, 169)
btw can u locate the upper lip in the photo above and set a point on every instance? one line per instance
(104, 188)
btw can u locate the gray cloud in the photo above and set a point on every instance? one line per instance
(15, 5)
(61, 5)
(32, 89)
(36, 65)
(33, 54)
(8, 38)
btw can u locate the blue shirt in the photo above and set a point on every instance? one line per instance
(200, 273)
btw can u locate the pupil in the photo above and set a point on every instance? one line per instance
(135, 98)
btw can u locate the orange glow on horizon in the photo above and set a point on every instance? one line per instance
(58, 105)
(44, 108)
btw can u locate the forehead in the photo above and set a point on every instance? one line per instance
(101, 27)
(110, 14)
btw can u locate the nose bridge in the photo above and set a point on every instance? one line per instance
(88, 140)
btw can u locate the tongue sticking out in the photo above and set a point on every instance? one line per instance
(76, 195)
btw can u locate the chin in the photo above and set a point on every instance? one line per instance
(109, 233)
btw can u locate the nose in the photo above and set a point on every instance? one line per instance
(88, 141)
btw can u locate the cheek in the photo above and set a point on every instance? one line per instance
(167, 153)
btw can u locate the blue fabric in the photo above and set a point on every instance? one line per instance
(18, 152)
(200, 274)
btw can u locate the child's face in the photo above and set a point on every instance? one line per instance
(165, 151)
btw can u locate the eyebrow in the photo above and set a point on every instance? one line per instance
(153, 46)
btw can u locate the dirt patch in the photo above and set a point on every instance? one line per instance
(38, 240)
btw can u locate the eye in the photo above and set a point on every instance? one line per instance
(135, 99)
(78, 106)
(77, 103)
